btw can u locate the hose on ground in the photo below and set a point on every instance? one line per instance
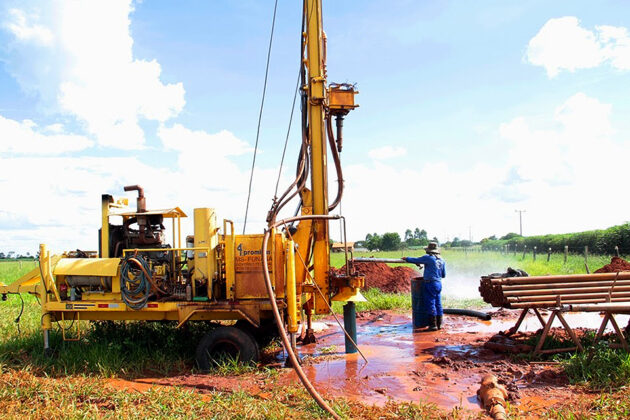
(135, 288)
(280, 323)
(468, 312)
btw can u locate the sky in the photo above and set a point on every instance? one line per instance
(468, 112)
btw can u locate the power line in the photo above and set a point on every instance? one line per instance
(262, 105)
(286, 140)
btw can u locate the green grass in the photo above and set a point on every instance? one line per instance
(481, 263)
(25, 395)
(606, 369)
(12, 270)
(469, 265)
(70, 385)
(604, 407)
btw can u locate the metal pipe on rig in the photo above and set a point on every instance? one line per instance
(380, 260)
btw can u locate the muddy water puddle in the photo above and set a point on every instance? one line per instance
(399, 365)
(442, 367)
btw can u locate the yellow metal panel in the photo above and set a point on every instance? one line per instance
(166, 213)
(205, 236)
(319, 181)
(291, 292)
(303, 239)
(229, 264)
(349, 294)
(102, 297)
(28, 283)
(249, 282)
(105, 201)
(87, 267)
(341, 98)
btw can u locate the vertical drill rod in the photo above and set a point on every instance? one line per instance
(350, 324)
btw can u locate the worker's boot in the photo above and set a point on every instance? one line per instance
(432, 323)
(438, 322)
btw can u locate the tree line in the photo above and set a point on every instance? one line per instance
(12, 255)
(600, 241)
(391, 241)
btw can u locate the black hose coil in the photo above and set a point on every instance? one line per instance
(135, 289)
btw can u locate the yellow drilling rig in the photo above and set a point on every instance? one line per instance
(264, 282)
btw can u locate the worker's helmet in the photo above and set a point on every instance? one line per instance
(432, 248)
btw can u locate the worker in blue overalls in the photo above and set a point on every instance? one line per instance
(434, 272)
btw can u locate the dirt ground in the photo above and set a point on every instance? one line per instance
(442, 367)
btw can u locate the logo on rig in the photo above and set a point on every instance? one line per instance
(245, 252)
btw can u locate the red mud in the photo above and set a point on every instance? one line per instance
(385, 278)
(443, 367)
(616, 264)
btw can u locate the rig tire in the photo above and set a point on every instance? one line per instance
(231, 340)
(263, 335)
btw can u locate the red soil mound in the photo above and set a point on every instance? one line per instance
(387, 279)
(616, 264)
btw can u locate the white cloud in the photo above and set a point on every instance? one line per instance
(616, 47)
(387, 152)
(58, 202)
(19, 26)
(85, 68)
(561, 167)
(562, 44)
(24, 138)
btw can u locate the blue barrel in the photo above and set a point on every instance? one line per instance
(419, 316)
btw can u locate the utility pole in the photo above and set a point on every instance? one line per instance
(520, 220)
(470, 233)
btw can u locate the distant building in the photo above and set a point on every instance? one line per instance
(339, 246)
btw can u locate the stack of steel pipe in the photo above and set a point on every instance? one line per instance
(555, 291)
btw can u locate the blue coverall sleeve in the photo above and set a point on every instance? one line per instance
(443, 269)
(422, 260)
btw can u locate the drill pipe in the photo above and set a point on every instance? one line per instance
(599, 307)
(623, 275)
(379, 260)
(551, 297)
(554, 303)
(566, 291)
(493, 396)
(603, 283)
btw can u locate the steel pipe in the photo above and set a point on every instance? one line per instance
(599, 307)
(623, 275)
(602, 283)
(380, 260)
(561, 297)
(554, 304)
(573, 291)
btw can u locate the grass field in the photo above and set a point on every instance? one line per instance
(463, 272)
(480, 263)
(72, 383)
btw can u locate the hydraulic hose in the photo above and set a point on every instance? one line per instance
(337, 160)
(299, 182)
(280, 323)
(468, 312)
(135, 291)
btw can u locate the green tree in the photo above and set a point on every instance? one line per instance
(408, 235)
(373, 242)
(509, 236)
(390, 241)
